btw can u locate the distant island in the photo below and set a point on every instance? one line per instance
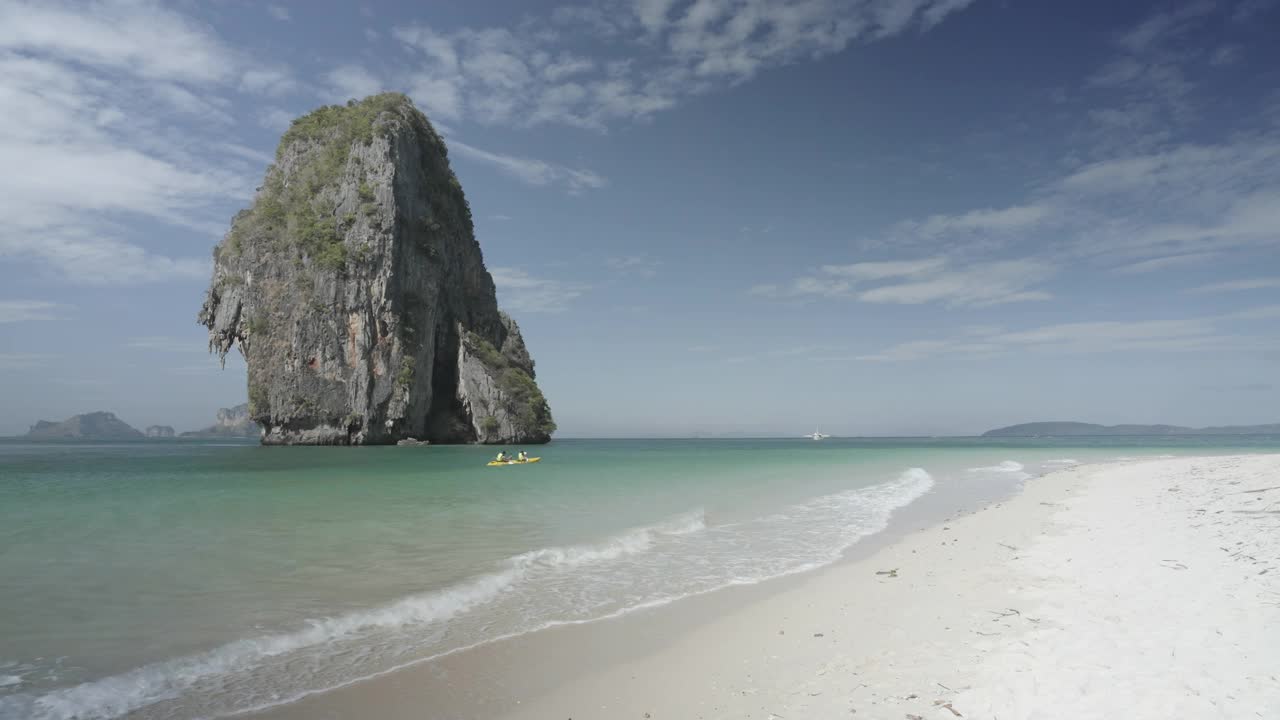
(159, 431)
(232, 423)
(99, 425)
(1061, 429)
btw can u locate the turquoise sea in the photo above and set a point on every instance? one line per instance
(185, 580)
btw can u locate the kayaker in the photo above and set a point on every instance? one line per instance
(502, 456)
(522, 457)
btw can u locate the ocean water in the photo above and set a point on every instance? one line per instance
(194, 580)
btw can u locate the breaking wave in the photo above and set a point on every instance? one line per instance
(1008, 466)
(642, 567)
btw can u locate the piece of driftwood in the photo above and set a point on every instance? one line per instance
(947, 705)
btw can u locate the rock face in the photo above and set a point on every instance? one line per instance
(159, 431)
(89, 426)
(356, 290)
(232, 423)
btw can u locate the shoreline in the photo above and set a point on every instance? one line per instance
(814, 644)
(511, 666)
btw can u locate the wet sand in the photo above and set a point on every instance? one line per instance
(1072, 599)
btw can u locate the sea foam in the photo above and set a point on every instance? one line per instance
(642, 567)
(1008, 466)
(118, 695)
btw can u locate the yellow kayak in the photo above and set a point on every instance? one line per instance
(495, 463)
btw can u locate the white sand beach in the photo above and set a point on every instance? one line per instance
(1139, 590)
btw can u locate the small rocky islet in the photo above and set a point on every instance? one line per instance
(356, 290)
(232, 422)
(99, 425)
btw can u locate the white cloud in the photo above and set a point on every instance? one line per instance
(640, 265)
(1225, 56)
(1132, 212)
(135, 37)
(275, 119)
(531, 170)
(271, 81)
(521, 292)
(1109, 334)
(210, 369)
(1152, 72)
(257, 157)
(602, 21)
(567, 66)
(984, 220)
(883, 270)
(171, 345)
(438, 97)
(201, 107)
(25, 310)
(1081, 337)
(990, 283)
(938, 11)
(1186, 170)
(1164, 263)
(99, 175)
(1248, 10)
(1264, 312)
(973, 229)
(353, 82)
(23, 361)
(104, 87)
(526, 74)
(916, 282)
(1238, 285)
(279, 12)
(920, 349)
(652, 14)
(1161, 27)
(1240, 387)
(102, 260)
(792, 351)
(1136, 198)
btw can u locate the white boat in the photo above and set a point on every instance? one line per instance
(815, 435)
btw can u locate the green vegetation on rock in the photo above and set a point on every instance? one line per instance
(486, 352)
(524, 400)
(351, 123)
(404, 378)
(257, 325)
(302, 213)
(258, 401)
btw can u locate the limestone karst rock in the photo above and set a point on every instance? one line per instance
(356, 290)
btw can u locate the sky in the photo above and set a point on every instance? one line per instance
(709, 217)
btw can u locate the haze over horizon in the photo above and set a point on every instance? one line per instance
(900, 217)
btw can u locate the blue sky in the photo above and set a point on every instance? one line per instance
(718, 216)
